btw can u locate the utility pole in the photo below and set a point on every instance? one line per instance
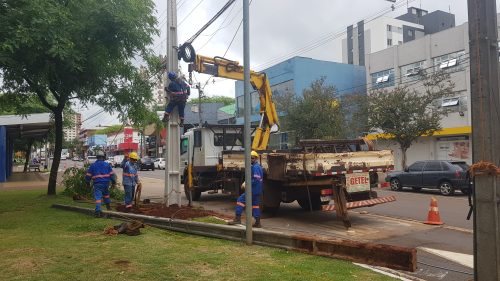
(200, 95)
(247, 133)
(485, 101)
(172, 188)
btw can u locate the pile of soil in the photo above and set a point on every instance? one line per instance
(172, 212)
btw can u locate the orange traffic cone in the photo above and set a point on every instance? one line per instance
(433, 216)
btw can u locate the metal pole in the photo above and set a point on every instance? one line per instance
(172, 192)
(248, 106)
(485, 103)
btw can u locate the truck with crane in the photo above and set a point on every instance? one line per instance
(320, 175)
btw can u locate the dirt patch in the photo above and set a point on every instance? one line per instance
(122, 262)
(172, 212)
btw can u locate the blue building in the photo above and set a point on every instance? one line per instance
(296, 74)
(97, 140)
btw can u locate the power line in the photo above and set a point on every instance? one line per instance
(328, 37)
(187, 16)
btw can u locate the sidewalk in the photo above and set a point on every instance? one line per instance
(28, 180)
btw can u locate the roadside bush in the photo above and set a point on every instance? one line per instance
(74, 185)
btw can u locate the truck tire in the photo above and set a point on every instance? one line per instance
(315, 201)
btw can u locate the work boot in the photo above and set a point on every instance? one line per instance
(257, 223)
(98, 214)
(165, 117)
(108, 206)
(236, 220)
(181, 123)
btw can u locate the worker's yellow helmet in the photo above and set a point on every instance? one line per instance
(133, 155)
(254, 154)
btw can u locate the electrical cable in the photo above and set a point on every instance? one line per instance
(187, 16)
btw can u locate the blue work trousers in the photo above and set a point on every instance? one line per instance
(240, 205)
(101, 191)
(181, 104)
(129, 195)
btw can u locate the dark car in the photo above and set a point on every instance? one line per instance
(447, 176)
(147, 163)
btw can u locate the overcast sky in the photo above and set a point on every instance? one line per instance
(279, 29)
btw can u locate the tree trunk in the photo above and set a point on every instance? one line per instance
(403, 157)
(27, 156)
(58, 118)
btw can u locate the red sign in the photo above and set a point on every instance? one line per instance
(128, 135)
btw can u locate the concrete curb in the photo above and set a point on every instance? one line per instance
(395, 257)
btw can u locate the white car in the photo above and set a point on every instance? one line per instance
(160, 163)
(111, 161)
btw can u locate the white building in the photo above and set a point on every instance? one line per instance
(73, 131)
(383, 32)
(447, 50)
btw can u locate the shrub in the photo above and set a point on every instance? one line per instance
(75, 185)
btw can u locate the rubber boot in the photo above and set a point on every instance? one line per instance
(257, 223)
(108, 206)
(97, 214)
(165, 117)
(236, 220)
(181, 123)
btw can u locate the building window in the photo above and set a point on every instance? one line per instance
(389, 42)
(450, 102)
(457, 103)
(411, 32)
(411, 72)
(389, 27)
(383, 79)
(449, 61)
(400, 42)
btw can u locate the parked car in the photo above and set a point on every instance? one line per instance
(160, 163)
(447, 176)
(146, 163)
(111, 161)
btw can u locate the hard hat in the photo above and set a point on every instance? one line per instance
(133, 155)
(100, 153)
(172, 75)
(254, 154)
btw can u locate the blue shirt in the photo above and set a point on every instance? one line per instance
(101, 173)
(130, 176)
(257, 178)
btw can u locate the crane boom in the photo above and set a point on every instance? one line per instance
(222, 67)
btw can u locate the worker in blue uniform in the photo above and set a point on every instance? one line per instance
(101, 174)
(178, 91)
(257, 180)
(130, 179)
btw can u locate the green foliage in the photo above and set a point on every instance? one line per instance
(110, 130)
(214, 99)
(404, 114)
(316, 115)
(83, 50)
(74, 184)
(355, 110)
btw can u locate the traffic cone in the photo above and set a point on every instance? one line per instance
(433, 216)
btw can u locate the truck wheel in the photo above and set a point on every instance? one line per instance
(315, 201)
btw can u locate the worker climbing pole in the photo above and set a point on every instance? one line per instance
(172, 190)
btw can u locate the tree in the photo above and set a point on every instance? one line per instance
(62, 51)
(404, 114)
(315, 115)
(214, 99)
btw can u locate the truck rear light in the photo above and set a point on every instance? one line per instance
(458, 174)
(325, 192)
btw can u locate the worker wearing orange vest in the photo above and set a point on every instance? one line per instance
(130, 179)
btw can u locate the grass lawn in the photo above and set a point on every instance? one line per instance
(41, 243)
